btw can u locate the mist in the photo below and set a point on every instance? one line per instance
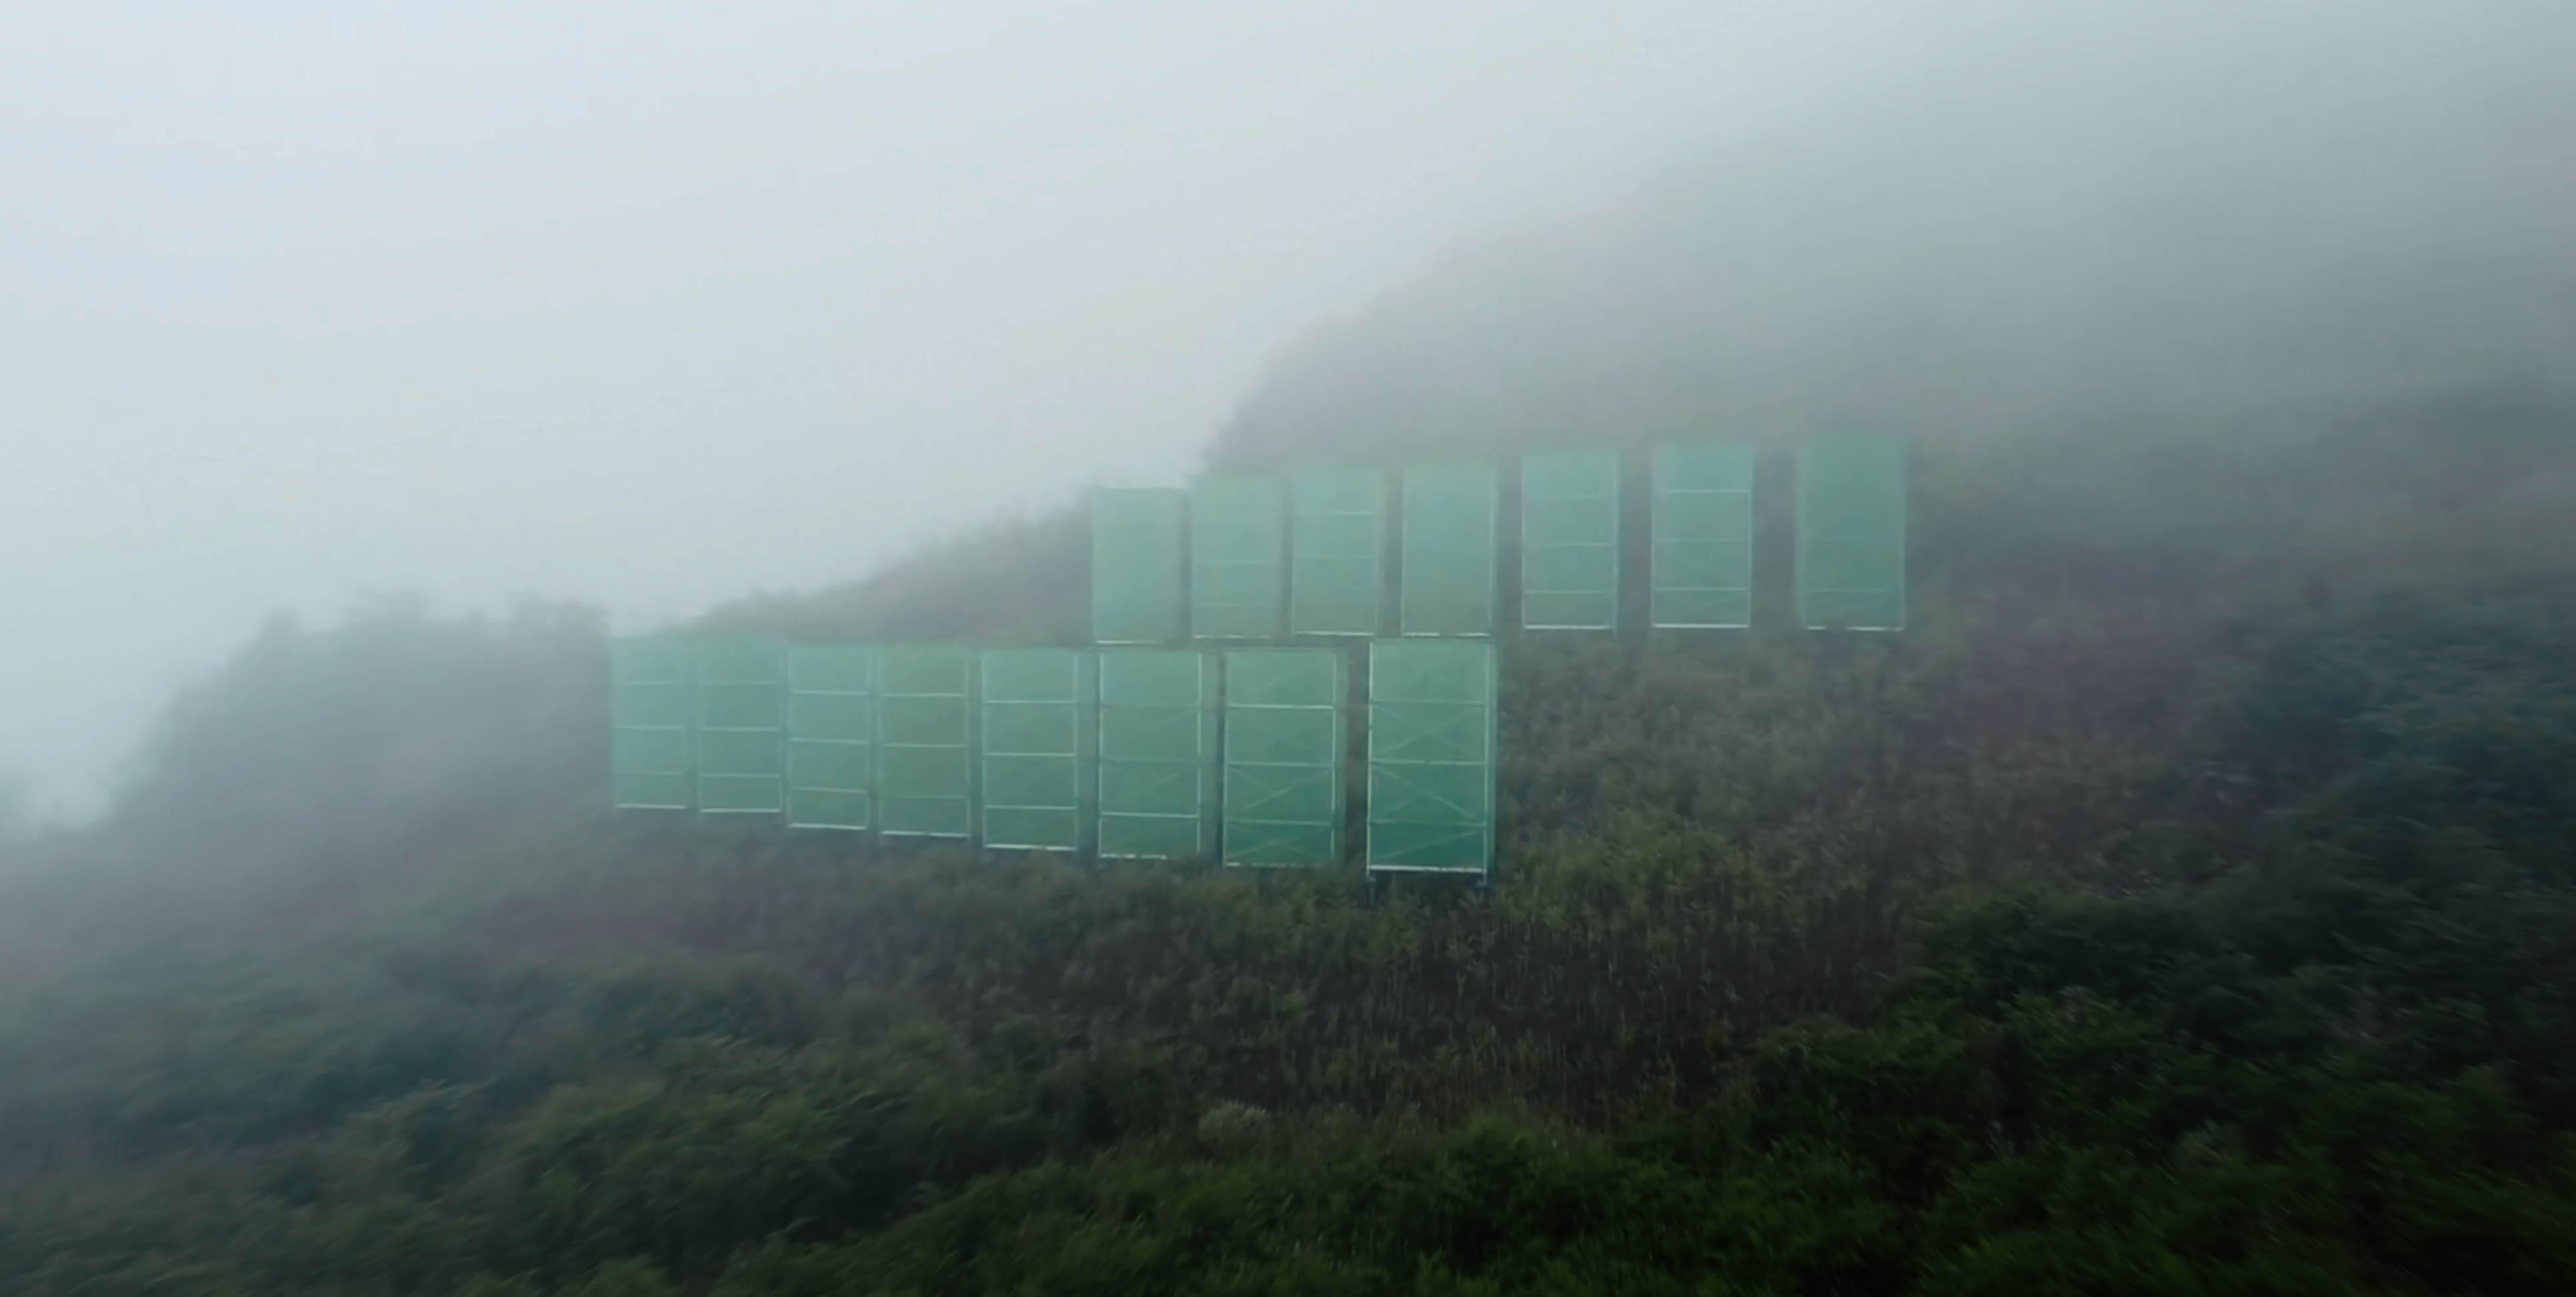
(2174, 222)
(654, 309)
(2166, 882)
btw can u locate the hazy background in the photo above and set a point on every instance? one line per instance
(655, 307)
(2178, 221)
(655, 304)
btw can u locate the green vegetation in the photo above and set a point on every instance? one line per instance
(2187, 904)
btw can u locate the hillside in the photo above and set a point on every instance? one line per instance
(2186, 903)
(2203, 854)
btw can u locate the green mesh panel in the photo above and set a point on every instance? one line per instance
(1036, 748)
(1449, 550)
(1851, 533)
(1570, 540)
(1136, 586)
(1238, 532)
(741, 727)
(1337, 563)
(1703, 537)
(925, 742)
(1283, 757)
(1431, 756)
(650, 684)
(1157, 754)
(831, 736)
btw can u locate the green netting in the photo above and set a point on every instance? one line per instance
(1337, 565)
(650, 683)
(925, 742)
(1283, 757)
(1238, 529)
(1703, 537)
(1851, 533)
(1570, 540)
(1136, 576)
(831, 736)
(1431, 744)
(1449, 550)
(1036, 748)
(1157, 754)
(740, 723)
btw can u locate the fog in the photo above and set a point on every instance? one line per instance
(655, 308)
(2167, 223)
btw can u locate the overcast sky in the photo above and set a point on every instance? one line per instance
(651, 305)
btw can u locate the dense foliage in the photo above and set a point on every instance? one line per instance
(2186, 905)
